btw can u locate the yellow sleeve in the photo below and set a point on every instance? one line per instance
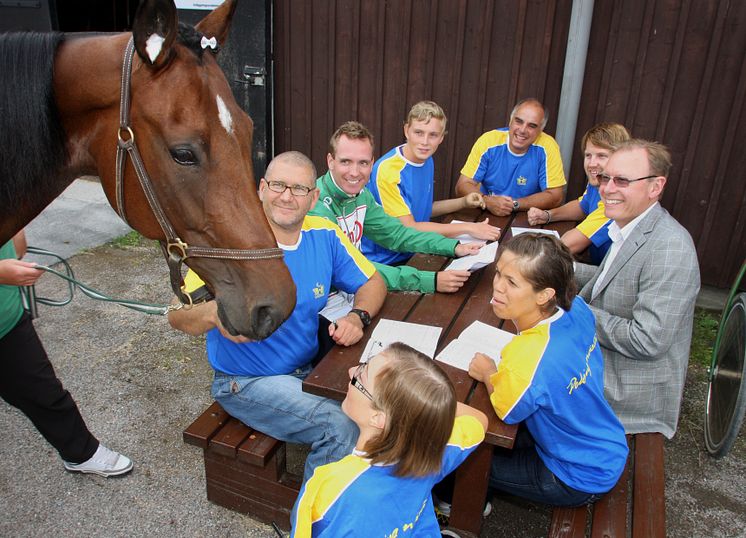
(388, 179)
(316, 222)
(555, 172)
(488, 140)
(192, 281)
(518, 364)
(593, 222)
(323, 489)
(467, 432)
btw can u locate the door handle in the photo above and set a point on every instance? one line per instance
(253, 76)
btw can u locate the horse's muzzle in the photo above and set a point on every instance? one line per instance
(262, 321)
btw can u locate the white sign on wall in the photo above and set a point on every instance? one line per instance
(198, 4)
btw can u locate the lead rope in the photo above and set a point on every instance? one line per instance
(68, 275)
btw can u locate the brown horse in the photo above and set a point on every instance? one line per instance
(60, 105)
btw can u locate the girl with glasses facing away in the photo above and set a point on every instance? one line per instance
(412, 434)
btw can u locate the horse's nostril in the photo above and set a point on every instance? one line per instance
(264, 320)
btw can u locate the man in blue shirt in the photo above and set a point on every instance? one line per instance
(259, 382)
(516, 167)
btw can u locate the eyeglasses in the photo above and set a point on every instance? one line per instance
(355, 381)
(621, 182)
(280, 187)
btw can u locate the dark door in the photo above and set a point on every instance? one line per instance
(26, 15)
(244, 60)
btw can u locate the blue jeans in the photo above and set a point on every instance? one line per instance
(522, 473)
(276, 405)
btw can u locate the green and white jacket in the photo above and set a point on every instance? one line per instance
(361, 215)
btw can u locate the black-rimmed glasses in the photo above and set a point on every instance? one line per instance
(280, 187)
(355, 381)
(621, 182)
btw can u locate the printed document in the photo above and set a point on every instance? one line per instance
(423, 338)
(465, 238)
(477, 337)
(338, 305)
(485, 256)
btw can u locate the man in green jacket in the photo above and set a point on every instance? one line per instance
(344, 200)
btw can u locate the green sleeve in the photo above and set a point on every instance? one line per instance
(320, 210)
(406, 278)
(390, 233)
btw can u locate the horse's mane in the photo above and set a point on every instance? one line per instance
(32, 141)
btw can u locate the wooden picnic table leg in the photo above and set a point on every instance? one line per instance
(470, 491)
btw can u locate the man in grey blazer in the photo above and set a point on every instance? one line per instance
(643, 292)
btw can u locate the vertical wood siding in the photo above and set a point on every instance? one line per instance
(670, 70)
(371, 60)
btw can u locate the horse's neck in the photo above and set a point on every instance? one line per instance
(87, 88)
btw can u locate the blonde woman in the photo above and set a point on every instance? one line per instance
(412, 434)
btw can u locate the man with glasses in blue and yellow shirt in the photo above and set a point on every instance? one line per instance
(259, 382)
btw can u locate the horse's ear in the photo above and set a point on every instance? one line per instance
(218, 22)
(154, 31)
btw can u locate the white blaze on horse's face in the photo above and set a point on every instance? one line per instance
(153, 46)
(225, 116)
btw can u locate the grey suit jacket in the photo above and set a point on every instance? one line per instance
(644, 311)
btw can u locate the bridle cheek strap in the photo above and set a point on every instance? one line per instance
(174, 249)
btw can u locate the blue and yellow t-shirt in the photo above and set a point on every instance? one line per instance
(596, 224)
(353, 498)
(552, 378)
(402, 188)
(322, 258)
(11, 307)
(500, 171)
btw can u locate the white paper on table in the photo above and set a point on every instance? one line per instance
(423, 338)
(337, 306)
(518, 231)
(476, 338)
(465, 238)
(485, 256)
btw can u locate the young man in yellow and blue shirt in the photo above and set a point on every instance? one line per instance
(402, 182)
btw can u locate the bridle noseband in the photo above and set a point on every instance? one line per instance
(174, 249)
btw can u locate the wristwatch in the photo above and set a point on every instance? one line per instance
(363, 315)
(516, 205)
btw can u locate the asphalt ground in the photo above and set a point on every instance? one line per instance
(139, 384)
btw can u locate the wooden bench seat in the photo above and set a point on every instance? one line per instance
(245, 470)
(637, 502)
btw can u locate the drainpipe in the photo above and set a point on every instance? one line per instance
(572, 78)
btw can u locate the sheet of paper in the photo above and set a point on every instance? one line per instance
(338, 305)
(477, 337)
(423, 338)
(518, 231)
(465, 238)
(485, 256)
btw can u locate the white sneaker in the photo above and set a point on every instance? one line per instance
(104, 462)
(444, 509)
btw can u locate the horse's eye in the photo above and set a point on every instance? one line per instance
(184, 156)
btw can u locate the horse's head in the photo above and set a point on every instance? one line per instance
(195, 144)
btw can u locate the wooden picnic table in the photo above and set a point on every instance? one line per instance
(453, 312)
